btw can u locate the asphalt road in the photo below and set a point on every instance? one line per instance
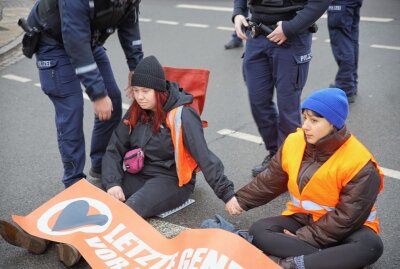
(30, 165)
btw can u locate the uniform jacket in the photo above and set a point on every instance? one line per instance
(356, 198)
(75, 18)
(292, 22)
(159, 149)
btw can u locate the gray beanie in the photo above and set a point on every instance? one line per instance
(150, 74)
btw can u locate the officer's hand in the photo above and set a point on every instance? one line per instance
(240, 21)
(103, 108)
(117, 193)
(277, 36)
(233, 207)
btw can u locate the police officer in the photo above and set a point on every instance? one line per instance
(70, 52)
(343, 26)
(277, 55)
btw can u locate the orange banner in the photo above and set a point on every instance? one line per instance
(109, 234)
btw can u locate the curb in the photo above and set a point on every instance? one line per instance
(11, 47)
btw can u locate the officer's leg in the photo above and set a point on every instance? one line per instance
(291, 65)
(260, 83)
(62, 86)
(356, 33)
(102, 130)
(340, 22)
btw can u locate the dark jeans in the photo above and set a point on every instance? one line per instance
(152, 195)
(360, 249)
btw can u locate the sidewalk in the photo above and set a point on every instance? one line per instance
(10, 32)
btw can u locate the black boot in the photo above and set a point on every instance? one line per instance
(261, 167)
(19, 238)
(234, 43)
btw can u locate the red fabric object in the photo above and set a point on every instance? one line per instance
(194, 81)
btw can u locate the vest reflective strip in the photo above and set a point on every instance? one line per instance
(177, 127)
(86, 68)
(91, 4)
(137, 42)
(310, 206)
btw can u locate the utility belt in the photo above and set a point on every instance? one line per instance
(259, 28)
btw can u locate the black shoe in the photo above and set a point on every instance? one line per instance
(95, 173)
(261, 167)
(19, 238)
(233, 44)
(68, 254)
(351, 98)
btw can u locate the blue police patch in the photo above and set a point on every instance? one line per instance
(46, 64)
(300, 59)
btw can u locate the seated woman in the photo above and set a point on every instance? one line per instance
(170, 133)
(333, 182)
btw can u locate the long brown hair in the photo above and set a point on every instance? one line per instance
(157, 117)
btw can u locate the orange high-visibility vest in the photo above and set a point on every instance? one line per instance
(322, 192)
(185, 164)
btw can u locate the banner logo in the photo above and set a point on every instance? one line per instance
(76, 215)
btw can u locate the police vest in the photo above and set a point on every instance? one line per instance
(185, 164)
(275, 6)
(322, 192)
(104, 18)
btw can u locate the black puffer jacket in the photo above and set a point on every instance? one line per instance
(356, 198)
(159, 150)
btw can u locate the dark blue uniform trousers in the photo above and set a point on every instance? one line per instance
(268, 66)
(343, 26)
(60, 83)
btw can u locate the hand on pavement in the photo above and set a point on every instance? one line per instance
(103, 108)
(117, 193)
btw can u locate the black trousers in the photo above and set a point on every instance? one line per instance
(151, 195)
(360, 249)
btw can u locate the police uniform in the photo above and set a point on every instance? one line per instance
(268, 65)
(70, 52)
(343, 26)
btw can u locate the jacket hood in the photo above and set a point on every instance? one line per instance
(177, 96)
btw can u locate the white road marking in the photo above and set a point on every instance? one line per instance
(213, 8)
(167, 22)
(391, 173)
(230, 9)
(145, 20)
(369, 19)
(385, 47)
(258, 140)
(240, 135)
(223, 28)
(38, 85)
(196, 25)
(16, 78)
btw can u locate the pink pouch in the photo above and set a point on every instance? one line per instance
(134, 160)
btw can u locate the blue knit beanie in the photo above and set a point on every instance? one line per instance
(331, 103)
